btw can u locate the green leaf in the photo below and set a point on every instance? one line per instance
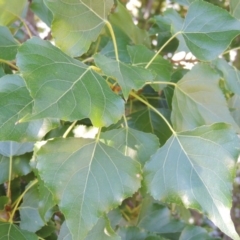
(198, 100)
(15, 102)
(184, 2)
(135, 144)
(122, 18)
(20, 167)
(30, 217)
(46, 201)
(40, 9)
(12, 231)
(208, 30)
(3, 201)
(176, 26)
(102, 231)
(129, 77)
(235, 8)
(230, 74)
(11, 10)
(64, 233)
(9, 148)
(184, 169)
(8, 45)
(89, 180)
(140, 56)
(234, 104)
(157, 218)
(132, 232)
(77, 24)
(150, 122)
(65, 88)
(194, 232)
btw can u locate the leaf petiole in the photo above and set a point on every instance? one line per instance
(109, 26)
(9, 64)
(155, 110)
(20, 199)
(163, 46)
(69, 129)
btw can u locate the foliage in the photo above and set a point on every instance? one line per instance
(103, 134)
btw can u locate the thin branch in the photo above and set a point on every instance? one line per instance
(9, 64)
(69, 129)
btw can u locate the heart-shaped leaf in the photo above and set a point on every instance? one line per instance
(184, 169)
(235, 8)
(90, 179)
(208, 30)
(72, 33)
(198, 100)
(65, 88)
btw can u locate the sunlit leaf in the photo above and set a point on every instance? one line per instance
(12, 231)
(90, 179)
(11, 10)
(129, 77)
(8, 45)
(184, 169)
(15, 102)
(76, 24)
(65, 88)
(208, 30)
(135, 144)
(198, 100)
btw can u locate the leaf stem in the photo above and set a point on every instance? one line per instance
(109, 26)
(125, 121)
(26, 26)
(19, 200)
(69, 129)
(154, 109)
(9, 64)
(90, 59)
(9, 177)
(229, 50)
(163, 46)
(98, 134)
(162, 82)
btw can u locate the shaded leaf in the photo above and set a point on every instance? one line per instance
(20, 167)
(140, 56)
(64, 233)
(198, 100)
(230, 74)
(184, 2)
(72, 33)
(129, 77)
(15, 102)
(102, 231)
(30, 217)
(157, 218)
(11, 10)
(135, 144)
(235, 8)
(208, 30)
(234, 104)
(148, 121)
(12, 231)
(65, 88)
(3, 201)
(194, 232)
(40, 9)
(122, 18)
(8, 45)
(91, 178)
(184, 169)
